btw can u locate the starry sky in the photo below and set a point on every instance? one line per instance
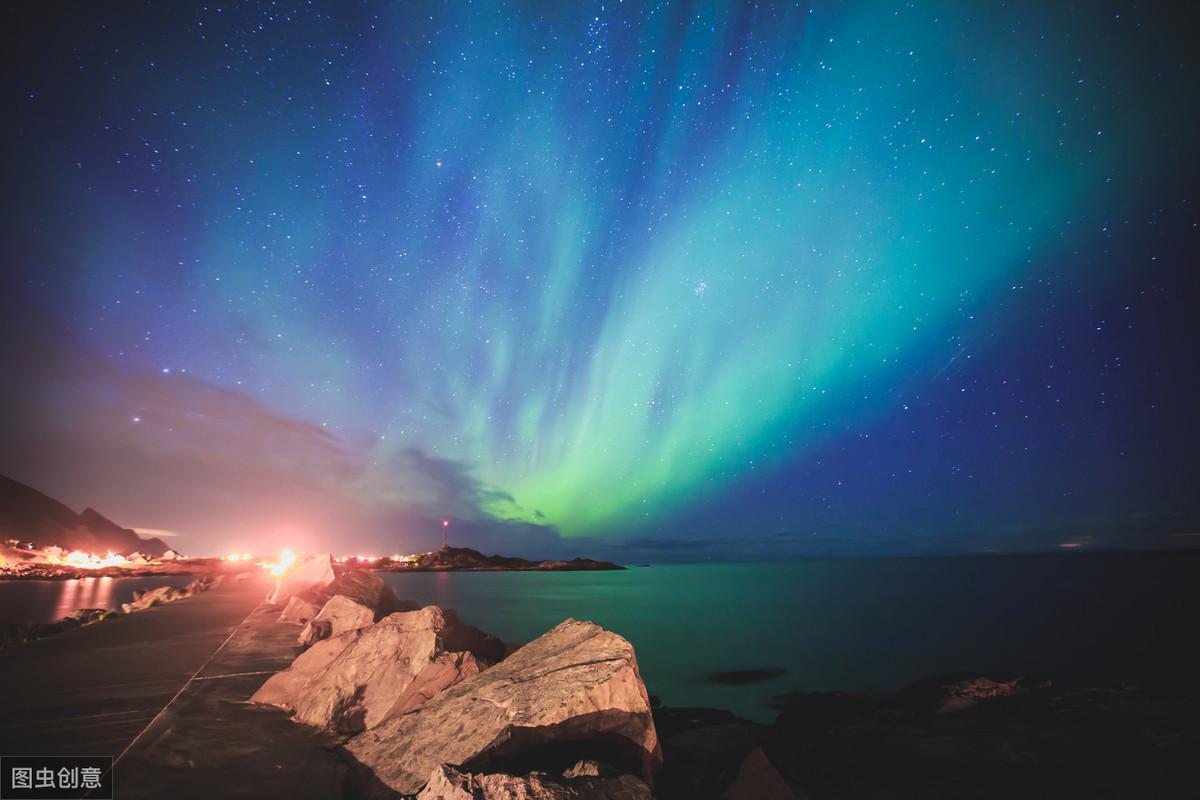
(648, 280)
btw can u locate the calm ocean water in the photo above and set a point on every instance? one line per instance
(47, 601)
(864, 625)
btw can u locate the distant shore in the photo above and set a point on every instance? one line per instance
(947, 735)
(464, 559)
(41, 571)
(446, 559)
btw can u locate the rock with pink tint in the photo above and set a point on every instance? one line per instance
(354, 680)
(757, 779)
(312, 572)
(299, 610)
(448, 783)
(339, 615)
(575, 687)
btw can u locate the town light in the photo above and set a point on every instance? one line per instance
(286, 559)
(82, 560)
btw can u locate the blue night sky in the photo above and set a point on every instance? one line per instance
(640, 280)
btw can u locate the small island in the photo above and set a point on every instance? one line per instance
(464, 559)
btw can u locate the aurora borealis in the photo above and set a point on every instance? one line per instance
(820, 278)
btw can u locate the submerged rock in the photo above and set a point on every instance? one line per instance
(447, 783)
(340, 614)
(205, 583)
(948, 694)
(14, 633)
(1019, 738)
(154, 597)
(573, 692)
(169, 594)
(353, 680)
(86, 616)
(741, 677)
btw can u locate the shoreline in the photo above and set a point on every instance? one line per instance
(946, 734)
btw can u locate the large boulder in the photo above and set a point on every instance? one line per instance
(354, 680)
(448, 783)
(573, 692)
(299, 610)
(312, 572)
(360, 585)
(339, 615)
(287, 687)
(308, 588)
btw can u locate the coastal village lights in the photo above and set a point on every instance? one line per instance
(82, 560)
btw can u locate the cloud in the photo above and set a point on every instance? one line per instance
(159, 533)
(177, 456)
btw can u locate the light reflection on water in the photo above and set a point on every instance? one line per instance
(864, 625)
(84, 593)
(46, 601)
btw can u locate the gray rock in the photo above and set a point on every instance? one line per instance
(574, 688)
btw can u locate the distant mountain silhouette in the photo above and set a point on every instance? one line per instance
(30, 516)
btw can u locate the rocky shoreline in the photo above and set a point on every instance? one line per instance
(426, 706)
(15, 633)
(42, 571)
(450, 559)
(423, 705)
(465, 559)
(415, 703)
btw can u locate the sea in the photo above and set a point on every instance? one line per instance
(865, 625)
(30, 601)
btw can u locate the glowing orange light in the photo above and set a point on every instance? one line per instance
(286, 559)
(82, 560)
